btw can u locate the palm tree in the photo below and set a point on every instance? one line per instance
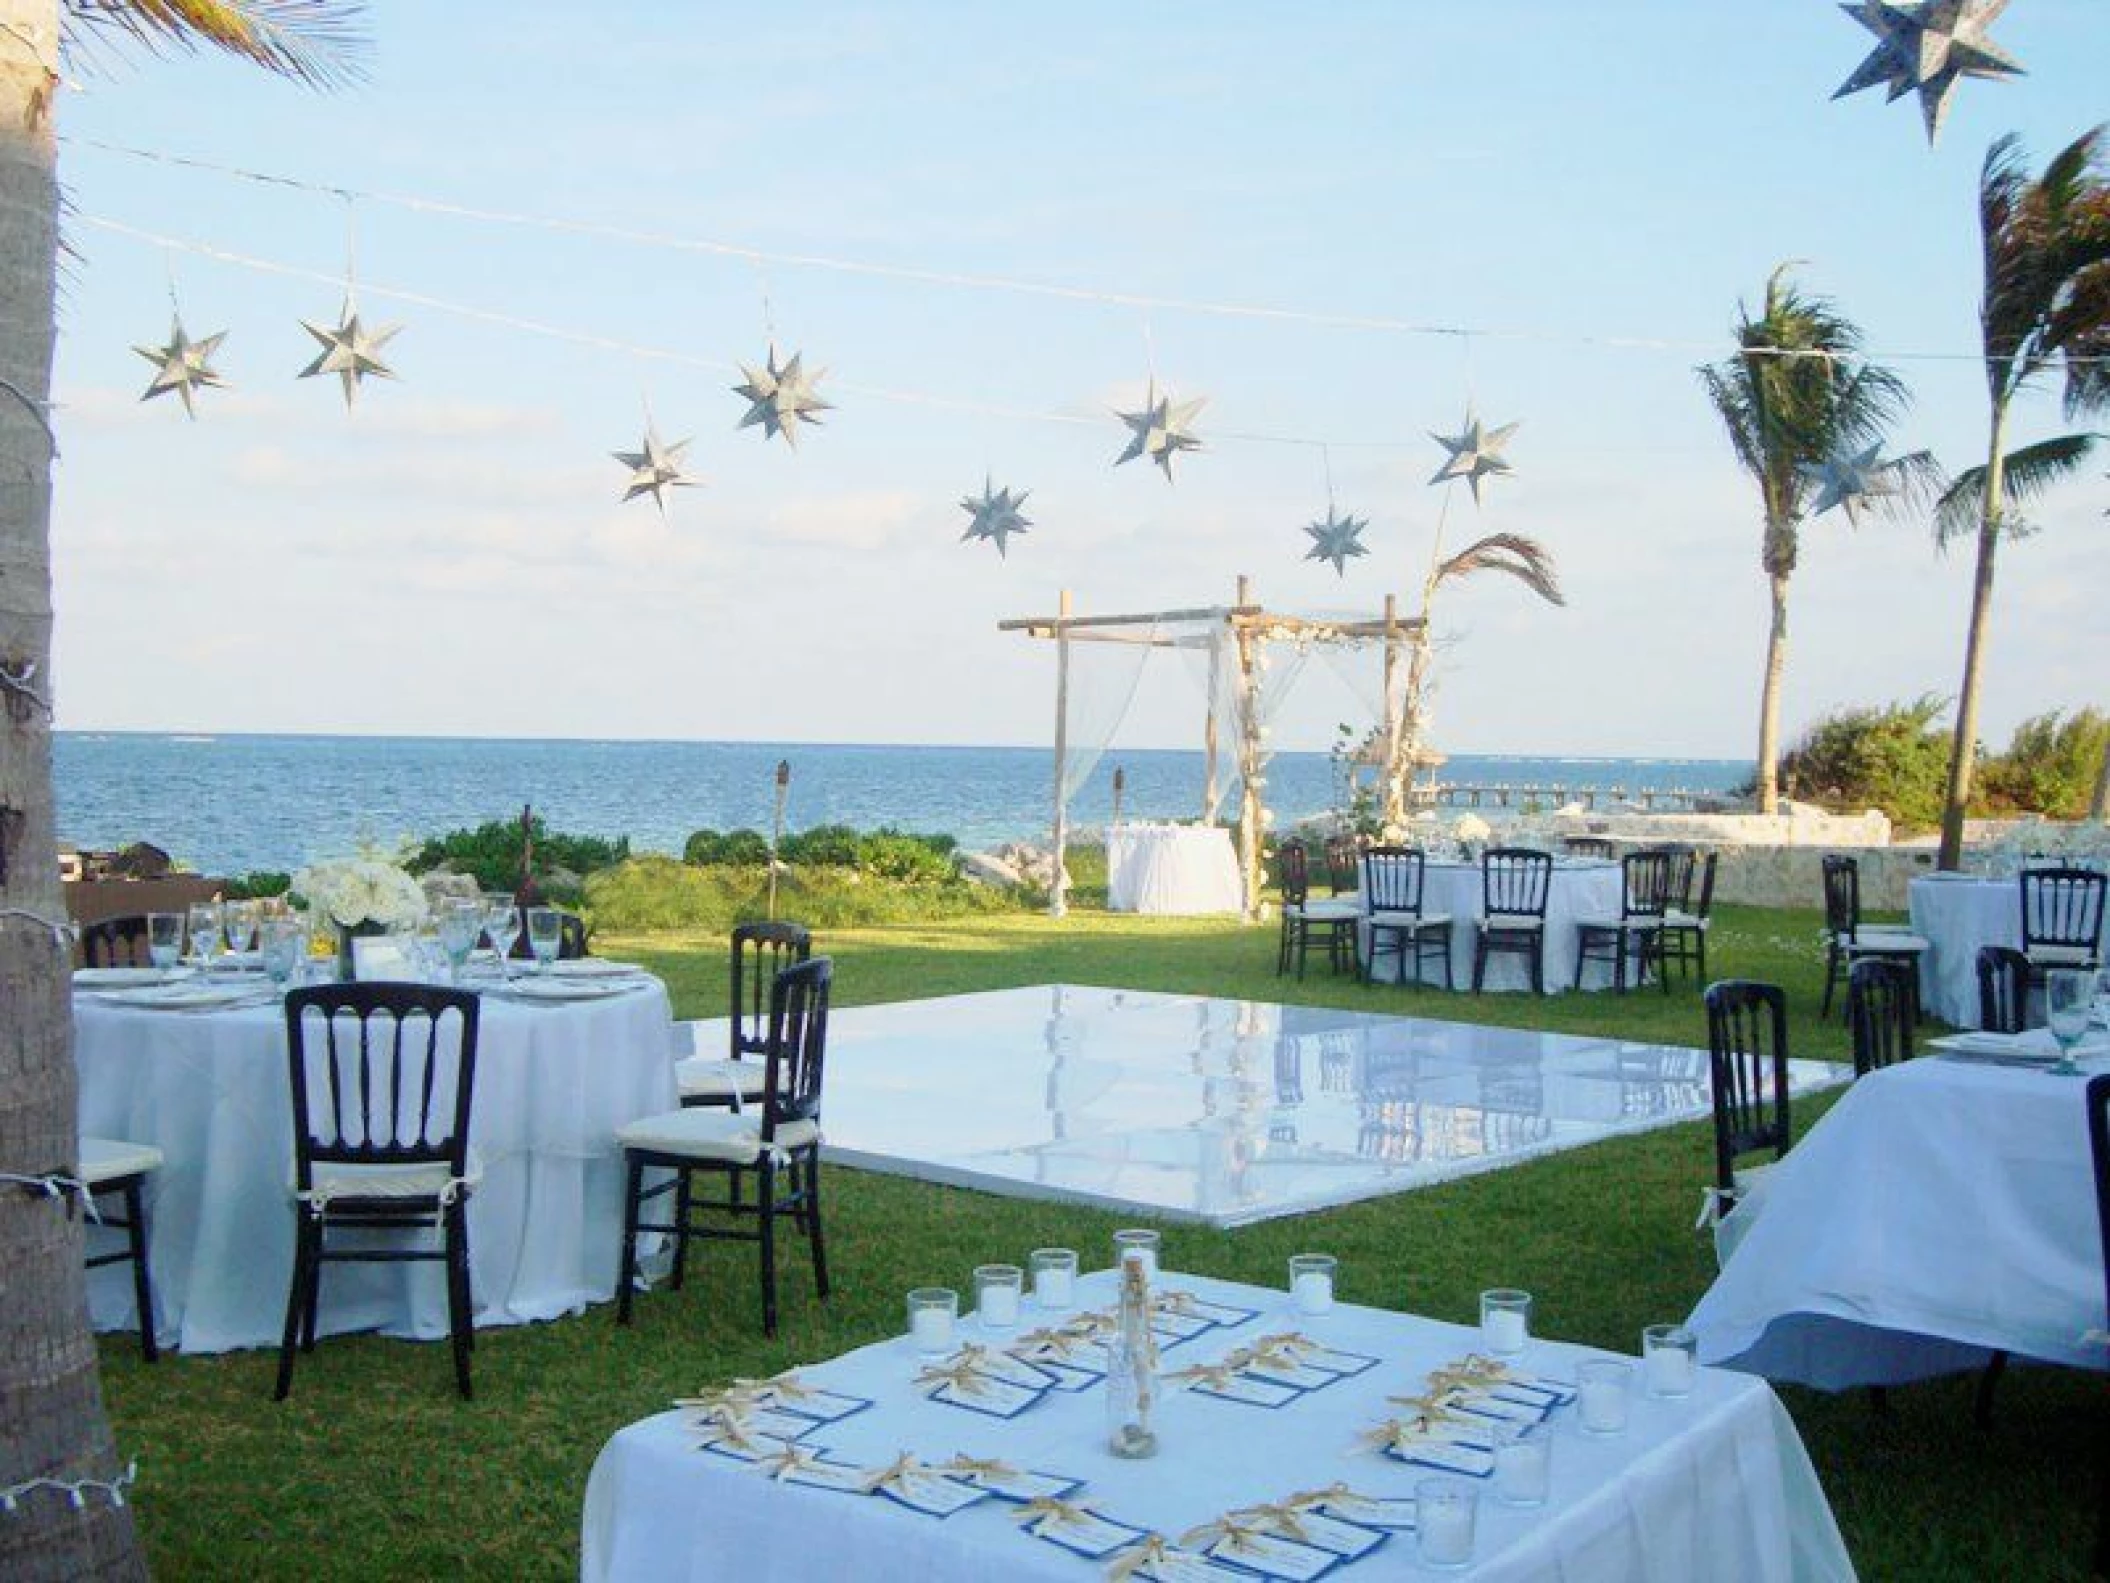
(52, 1423)
(2046, 300)
(1798, 398)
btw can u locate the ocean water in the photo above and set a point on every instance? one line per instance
(231, 804)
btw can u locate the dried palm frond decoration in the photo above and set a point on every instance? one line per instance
(1512, 554)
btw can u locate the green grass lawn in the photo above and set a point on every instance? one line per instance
(375, 1470)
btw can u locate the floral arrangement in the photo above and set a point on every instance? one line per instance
(367, 889)
(1472, 828)
(2033, 840)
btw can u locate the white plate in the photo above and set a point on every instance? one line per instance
(590, 967)
(189, 997)
(2034, 1048)
(557, 989)
(119, 977)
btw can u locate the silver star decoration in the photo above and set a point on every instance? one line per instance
(1475, 453)
(655, 468)
(1928, 45)
(995, 514)
(1337, 539)
(781, 397)
(1161, 429)
(1850, 481)
(350, 350)
(183, 365)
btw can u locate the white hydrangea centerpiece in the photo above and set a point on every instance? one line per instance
(362, 890)
(1471, 828)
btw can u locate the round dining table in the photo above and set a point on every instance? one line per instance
(1956, 914)
(1581, 888)
(210, 1088)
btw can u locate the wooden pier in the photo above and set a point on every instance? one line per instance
(1650, 799)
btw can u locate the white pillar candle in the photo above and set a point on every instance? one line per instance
(1602, 1392)
(1522, 1466)
(1443, 1518)
(1503, 1331)
(1313, 1293)
(1054, 1287)
(932, 1330)
(1669, 1371)
(999, 1306)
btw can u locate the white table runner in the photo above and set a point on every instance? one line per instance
(1716, 1486)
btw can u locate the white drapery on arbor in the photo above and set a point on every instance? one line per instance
(1249, 660)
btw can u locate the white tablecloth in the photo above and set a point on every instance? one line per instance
(1956, 915)
(1717, 1486)
(553, 1082)
(1940, 1209)
(1579, 890)
(1173, 869)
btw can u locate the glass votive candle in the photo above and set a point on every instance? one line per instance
(1444, 1510)
(1602, 1387)
(1137, 1244)
(997, 1288)
(1054, 1277)
(1505, 1321)
(1669, 1357)
(932, 1312)
(1311, 1282)
(1523, 1463)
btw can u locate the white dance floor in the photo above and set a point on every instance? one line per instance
(1224, 1111)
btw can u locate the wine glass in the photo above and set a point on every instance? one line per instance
(283, 942)
(164, 939)
(461, 926)
(2068, 994)
(238, 923)
(204, 933)
(545, 928)
(502, 924)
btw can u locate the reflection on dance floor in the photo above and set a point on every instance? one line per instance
(1224, 1111)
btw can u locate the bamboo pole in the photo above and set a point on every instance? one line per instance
(1212, 795)
(1249, 824)
(1058, 903)
(776, 831)
(1391, 804)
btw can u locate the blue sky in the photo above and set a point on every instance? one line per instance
(451, 557)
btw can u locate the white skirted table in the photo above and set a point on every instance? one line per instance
(210, 1090)
(1957, 914)
(1715, 1485)
(1175, 870)
(1942, 1209)
(1587, 888)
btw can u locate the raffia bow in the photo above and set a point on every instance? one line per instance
(1226, 1532)
(1150, 1550)
(961, 1375)
(979, 1467)
(788, 1387)
(1277, 1517)
(735, 1432)
(1483, 1370)
(1434, 1408)
(1215, 1375)
(740, 1396)
(1051, 1511)
(897, 1472)
(792, 1459)
(1289, 1342)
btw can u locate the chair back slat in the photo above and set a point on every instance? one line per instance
(1747, 1050)
(1705, 903)
(1588, 846)
(797, 1044)
(2003, 989)
(1880, 1006)
(1644, 883)
(1393, 877)
(1678, 890)
(1515, 880)
(1293, 873)
(115, 942)
(1842, 896)
(760, 952)
(382, 1074)
(1341, 852)
(2062, 907)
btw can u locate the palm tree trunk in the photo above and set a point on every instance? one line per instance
(51, 1411)
(1769, 698)
(1963, 751)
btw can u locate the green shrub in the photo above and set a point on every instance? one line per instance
(1895, 758)
(657, 893)
(824, 846)
(259, 882)
(726, 847)
(492, 853)
(908, 859)
(2050, 767)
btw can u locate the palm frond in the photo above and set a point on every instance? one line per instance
(1511, 554)
(2047, 250)
(321, 43)
(2026, 475)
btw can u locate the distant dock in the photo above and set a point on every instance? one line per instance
(1650, 799)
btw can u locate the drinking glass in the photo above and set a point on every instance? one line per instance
(2068, 994)
(238, 923)
(204, 932)
(1444, 1510)
(545, 929)
(1669, 1355)
(164, 939)
(284, 943)
(1523, 1462)
(1311, 1277)
(502, 924)
(1505, 1321)
(461, 926)
(1137, 1244)
(1602, 1388)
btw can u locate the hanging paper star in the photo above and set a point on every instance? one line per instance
(1929, 45)
(995, 514)
(1475, 453)
(182, 365)
(1161, 429)
(1337, 539)
(1851, 481)
(781, 397)
(655, 467)
(350, 350)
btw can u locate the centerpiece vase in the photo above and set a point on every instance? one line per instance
(346, 934)
(1132, 1371)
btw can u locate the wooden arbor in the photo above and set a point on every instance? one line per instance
(1234, 635)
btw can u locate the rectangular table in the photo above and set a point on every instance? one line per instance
(1716, 1485)
(1172, 870)
(1940, 1210)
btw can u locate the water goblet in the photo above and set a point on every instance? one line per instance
(164, 939)
(204, 933)
(238, 925)
(461, 924)
(2068, 994)
(502, 924)
(545, 929)
(284, 944)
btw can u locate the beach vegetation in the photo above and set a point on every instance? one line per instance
(2051, 766)
(2045, 304)
(725, 847)
(654, 891)
(1893, 757)
(493, 853)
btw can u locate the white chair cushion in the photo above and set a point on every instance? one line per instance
(335, 1181)
(2061, 956)
(1513, 921)
(1407, 920)
(110, 1159)
(1733, 1227)
(1881, 942)
(1619, 923)
(711, 1135)
(701, 1077)
(1342, 909)
(1678, 918)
